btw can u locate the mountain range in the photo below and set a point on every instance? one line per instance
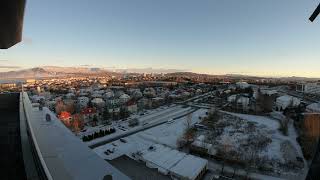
(57, 71)
(51, 71)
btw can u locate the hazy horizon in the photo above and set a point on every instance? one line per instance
(266, 38)
(146, 70)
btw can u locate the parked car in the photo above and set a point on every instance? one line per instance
(123, 140)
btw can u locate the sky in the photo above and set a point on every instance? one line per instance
(253, 37)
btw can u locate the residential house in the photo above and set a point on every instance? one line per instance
(66, 118)
(88, 114)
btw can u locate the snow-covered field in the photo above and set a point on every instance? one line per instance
(257, 138)
(247, 136)
(168, 134)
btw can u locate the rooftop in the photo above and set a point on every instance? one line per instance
(64, 155)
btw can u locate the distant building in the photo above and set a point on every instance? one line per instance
(242, 85)
(70, 95)
(310, 88)
(98, 102)
(82, 102)
(108, 94)
(149, 92)
(124, 98)
(132, 106)
(31, 81)
(88, 114)
(157, 101)
(8, 85)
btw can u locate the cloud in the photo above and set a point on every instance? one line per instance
(3, 60)
(85, 65)
(9, 67)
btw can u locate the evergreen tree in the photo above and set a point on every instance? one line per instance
(95, 120)
(106, 115)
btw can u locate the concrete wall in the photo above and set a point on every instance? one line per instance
(9, 101)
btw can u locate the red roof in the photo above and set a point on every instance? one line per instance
(88, 111)
(130, 102)
(64, 115)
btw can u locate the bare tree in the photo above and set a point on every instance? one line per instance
(188, 122)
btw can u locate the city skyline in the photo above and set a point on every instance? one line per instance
(253, 38)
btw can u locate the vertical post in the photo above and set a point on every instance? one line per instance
(315, 14)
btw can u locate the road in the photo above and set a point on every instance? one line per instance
(196, 97)
(153, 121)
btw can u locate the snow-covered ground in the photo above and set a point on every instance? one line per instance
(163, 154)
(261, 120)
(165, 134)
(278, 148)
(154, 118)
(168, 134)
(279, 152)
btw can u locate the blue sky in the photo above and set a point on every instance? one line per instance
(256, 37)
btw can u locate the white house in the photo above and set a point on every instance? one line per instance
(108, 94)
(70, 95)
(98, 102)
(137, 94)
(149, 92)
(96, 95)
(124, 98)
(82, 102)
(132, 106)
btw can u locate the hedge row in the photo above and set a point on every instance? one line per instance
(101, 133)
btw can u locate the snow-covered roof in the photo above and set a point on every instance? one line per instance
(83, 99)
(176, 162)
(96, 95)
(97, 100)
(286, 100)
(314, 107)
(242, 84)
(269, 92)
(162, 156)
(70, 94)
(124, 96)
(190, 166)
